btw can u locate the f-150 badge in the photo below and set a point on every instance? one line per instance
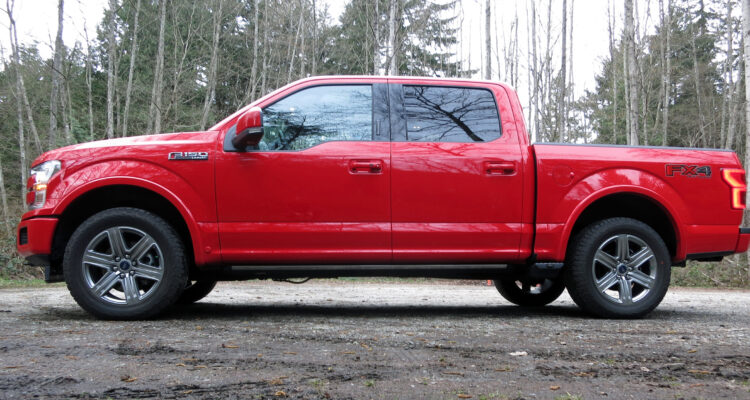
(188, 155)
(691, 171)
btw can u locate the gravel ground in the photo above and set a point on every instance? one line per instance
(340, 339)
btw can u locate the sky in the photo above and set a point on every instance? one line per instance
(37, 21)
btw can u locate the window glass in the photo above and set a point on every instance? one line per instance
(317, 115)
(450, 114)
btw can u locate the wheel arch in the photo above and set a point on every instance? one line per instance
(633, 203)
(119, 194)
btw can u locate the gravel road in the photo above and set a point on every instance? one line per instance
(361, 340)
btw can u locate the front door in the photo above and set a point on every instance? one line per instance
(317, 189)
(457, 180)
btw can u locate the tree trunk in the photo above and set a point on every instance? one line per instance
(89, 74)
(315, 38)
(611, 25)
(666, 62)
(111, 48)
(154, 114)
(131, 69)
(697, 79)
(20, 86)
(746, 36)
(254, 69)
(56, 78)
(211, 84)
(488, 41)
(6, 215)
(392, 53)
(631, 74)
(376, 40)
(264, 71)
(562, 115)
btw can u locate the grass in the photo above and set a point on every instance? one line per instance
(732, 272)
(6, 283)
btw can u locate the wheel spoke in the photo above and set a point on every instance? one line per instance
(98, 259)
(642, 279)
(623, 247)
(605, 259)
(148, 272)
(116, 241)
(105, 283)
(141, 248)
(130, 287)
(644, 255)
(626, 294)
(607, 281)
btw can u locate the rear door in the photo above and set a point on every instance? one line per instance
(317, 190)
(456, 179)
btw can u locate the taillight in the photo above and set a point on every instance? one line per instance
(735, 178)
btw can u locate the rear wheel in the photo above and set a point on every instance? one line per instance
(530, 293)
(196, 290)
(618, 268)
(125, 263)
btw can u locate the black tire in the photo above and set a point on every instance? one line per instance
(535, 293)
(196, 290)
(135, 264)
(625, 281)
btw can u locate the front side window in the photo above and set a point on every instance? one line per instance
(317, 115)
(450, 114)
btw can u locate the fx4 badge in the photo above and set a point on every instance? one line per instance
(188, 155)
(691, 171)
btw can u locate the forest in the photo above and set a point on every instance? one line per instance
(674, 73)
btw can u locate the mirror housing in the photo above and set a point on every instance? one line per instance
(249, 130)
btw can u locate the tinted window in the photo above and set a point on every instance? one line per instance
(445, 114)
(316, 115)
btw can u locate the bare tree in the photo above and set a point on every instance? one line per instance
(488, 41)
(6, 215)
(392, 25)
(256, 39)
(562, 115)
(666, 63)
(631, 75)
(131, 69)
(56, 77)
(154, 114)
(89, 73)
(20, 86)
(211, 84)
(111, 48)
(746, 36)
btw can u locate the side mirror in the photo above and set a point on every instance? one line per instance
(249, 130)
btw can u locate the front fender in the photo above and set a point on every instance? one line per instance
(194, 205)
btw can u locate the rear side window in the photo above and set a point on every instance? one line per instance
(450, 114)
(316, 115)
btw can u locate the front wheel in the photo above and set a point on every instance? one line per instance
(618, 268)
(125, 263)
(530, 293)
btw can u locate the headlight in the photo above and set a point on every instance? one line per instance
(40, 176)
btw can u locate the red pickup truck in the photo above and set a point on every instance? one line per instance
(377, 176)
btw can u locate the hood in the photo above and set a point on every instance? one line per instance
(109, 145)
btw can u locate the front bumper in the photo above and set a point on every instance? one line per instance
(34, 239)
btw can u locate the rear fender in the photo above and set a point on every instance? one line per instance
(618, 181)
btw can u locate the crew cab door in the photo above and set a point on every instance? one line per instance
(457, 179)
(317, 189)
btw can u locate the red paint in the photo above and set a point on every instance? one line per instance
(398, 202)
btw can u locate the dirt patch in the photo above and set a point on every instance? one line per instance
(339, 340)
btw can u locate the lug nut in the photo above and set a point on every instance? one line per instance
(122, 276)
(127, 255)
(117, 258)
